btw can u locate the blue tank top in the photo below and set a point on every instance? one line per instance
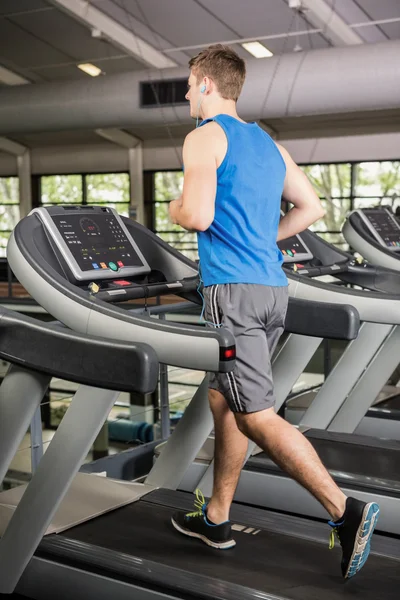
(240, 244)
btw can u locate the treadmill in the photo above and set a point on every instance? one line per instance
(364, 466)
(375, 234)
(366, 364)
(132, 551)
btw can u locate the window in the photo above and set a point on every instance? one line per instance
(107, 189)
(61, 189)
(9, 209)
(111, 189)
(168, 186)
(332, 183)
(341, 187)
(377, 184)
(345, 187)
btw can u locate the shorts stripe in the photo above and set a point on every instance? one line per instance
(236, 391)
(230, 376)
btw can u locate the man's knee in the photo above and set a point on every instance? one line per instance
(246, 422)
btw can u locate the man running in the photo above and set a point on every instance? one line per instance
(235, 177)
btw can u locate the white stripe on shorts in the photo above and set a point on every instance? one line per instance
(230, 376)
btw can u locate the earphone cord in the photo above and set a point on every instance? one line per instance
(202, 90)
(198, 112)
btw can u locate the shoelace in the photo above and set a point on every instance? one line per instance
(334, 532)
(199, 504)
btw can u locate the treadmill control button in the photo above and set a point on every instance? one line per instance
(122, 282)
(113, 266)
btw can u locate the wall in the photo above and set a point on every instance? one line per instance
(104, 157)
(383, 146)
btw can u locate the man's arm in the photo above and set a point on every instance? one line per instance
(195, 208)
(307, 207)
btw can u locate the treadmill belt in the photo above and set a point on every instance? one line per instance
(265, 560)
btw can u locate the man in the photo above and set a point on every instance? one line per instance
(235, 176)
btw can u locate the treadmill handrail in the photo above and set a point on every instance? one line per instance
(322, 319)
(186, 346)
(81, 358)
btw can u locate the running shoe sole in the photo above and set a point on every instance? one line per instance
(203, 538)
(362, 544)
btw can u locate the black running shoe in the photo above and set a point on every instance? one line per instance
(196, 525)
(354, 531)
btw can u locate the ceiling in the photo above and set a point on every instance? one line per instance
(42, 42)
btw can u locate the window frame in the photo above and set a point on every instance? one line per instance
(351, 198)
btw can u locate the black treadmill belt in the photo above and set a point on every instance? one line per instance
(266, 561)
(378, 466)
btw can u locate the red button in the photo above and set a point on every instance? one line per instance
(122, 282)
(120, 263)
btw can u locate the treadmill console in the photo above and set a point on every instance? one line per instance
(294, 250)
(93, 242)
(383, 226)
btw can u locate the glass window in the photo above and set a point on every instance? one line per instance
(9, 190)
(61, 189)
(331, 225)
(330, 181)
(183, 241)
(9, 209)
(162, 219)
(336, 239)
(377, 179)
(9, 217)
(111, 189)
(4, 236)
(341, 187)
(370, 202)
(168, 185)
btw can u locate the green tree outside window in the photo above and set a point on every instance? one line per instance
(9, 209)
(61, 189)
(111, 189)
(168, 186)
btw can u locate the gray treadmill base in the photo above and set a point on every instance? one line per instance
(89, 496)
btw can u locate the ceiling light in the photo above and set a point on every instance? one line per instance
(89, 69)
(10, 78)
(257, 49)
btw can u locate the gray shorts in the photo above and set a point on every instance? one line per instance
(255, 314)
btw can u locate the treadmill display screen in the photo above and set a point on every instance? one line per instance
(386, 226)
(294, 250)
(97, 241)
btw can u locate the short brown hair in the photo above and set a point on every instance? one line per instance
(223, 66)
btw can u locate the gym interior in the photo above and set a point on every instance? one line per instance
(105, 428)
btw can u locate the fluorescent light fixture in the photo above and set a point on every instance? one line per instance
(257, 49)
(89, 69)
(10, 78)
